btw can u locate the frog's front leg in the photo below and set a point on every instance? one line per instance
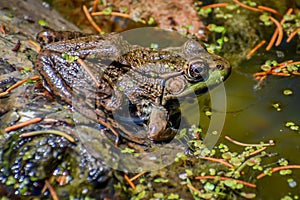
(46, 65)
(157, 126)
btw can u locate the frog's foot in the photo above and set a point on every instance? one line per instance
(158, 120)
(120, 130)
(164, 135)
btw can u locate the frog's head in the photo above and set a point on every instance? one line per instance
(204, 70)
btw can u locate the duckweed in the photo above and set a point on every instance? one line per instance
(127, 150)
(287, 92)
(173, 196)
(107, 10)
(69, 58)
(43, 22)
(292, 183)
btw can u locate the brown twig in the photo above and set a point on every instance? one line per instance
(44, 189)
(272, 41)
(261, 79)
(290, 11)
(292, 35)
(280, 30)
(280, 74)
(245, 144)
(2, 94)
(255, 48)
(246, 6)
(129, 181)
(62, 179)
(89, 17)
(17, 46)
(271, 10)
(275, 70)
(226, 178)
(257, 74)
(34, 78)
(51, 190)
(22, 124)
(296, 73)
(194, 189)
(222, 161)
(138, 175)
(294, 63)
(14, 86)
(275, 169)
(280, 66)
(118, 14)
(215, 5)
(95, 5)
(36, 45)
(87, 69)
(2, 29)
(55, 132)
(257, 151)
(283, 64)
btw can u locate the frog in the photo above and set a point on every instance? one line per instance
(106, 70)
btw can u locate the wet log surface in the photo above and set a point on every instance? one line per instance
(19, 21)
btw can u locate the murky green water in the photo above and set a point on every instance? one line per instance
(251, 117)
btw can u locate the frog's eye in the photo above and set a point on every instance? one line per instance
(197, 71)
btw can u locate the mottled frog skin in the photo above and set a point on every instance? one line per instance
(98, 74)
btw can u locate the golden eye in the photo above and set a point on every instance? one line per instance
(197, 71)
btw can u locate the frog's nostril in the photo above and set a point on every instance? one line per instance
(220, 67)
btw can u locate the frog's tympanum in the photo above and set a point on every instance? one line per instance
(99, 74)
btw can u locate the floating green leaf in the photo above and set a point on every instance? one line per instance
(205, 12)
(69, 58)
(285, 172)
(127, 150)
(287, 92)
(248, 195)
(150, 21)
(43, 23)
(173, 196)
(209, 186)
(10, 181)
(189, 172)
(9, 15)
(161, 180)
(154, 45)
(107, 10)
(123, 9)
(158, 195)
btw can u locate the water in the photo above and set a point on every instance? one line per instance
(252, 118)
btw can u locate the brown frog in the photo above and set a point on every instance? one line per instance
(114, 72)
